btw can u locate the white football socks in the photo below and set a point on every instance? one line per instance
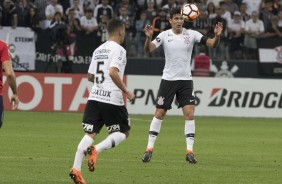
(155, 129)
(85, 142)
(111, 141)
(189, 131)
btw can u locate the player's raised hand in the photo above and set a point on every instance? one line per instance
(148, 30)
(218, 29)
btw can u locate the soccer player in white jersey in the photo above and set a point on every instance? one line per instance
(176, 80)
(105, 104)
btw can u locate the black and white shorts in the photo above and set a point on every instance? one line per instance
(182, 89)
(96, 114)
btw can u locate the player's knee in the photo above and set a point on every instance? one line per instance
(189, 117)
(160, 114)
(188, 112)
(93, 135)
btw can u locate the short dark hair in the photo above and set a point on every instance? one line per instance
(114, 24)
(175, 11)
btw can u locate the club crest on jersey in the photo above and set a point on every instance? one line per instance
(186, 40)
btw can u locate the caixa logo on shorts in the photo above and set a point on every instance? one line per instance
(87, 127)
(113, 128)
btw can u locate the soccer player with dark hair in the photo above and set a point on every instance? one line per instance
(176, 80)
(105, 104)
(6, 64)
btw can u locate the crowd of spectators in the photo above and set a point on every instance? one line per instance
(243, 20)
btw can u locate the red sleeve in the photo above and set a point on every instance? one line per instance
(4, 54)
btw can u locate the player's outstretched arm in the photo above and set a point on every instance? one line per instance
(149, 46)
(213, 42)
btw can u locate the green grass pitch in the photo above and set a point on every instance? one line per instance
(39, 147)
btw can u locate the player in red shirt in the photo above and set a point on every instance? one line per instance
(6, 64)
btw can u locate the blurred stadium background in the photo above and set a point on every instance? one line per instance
(238, 110)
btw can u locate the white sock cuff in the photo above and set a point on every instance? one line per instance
(85, 142)
(156, 120)
(189, 122)
(189, 127)
(155, 125)
(89, 139)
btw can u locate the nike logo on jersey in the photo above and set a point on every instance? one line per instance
(170, 40)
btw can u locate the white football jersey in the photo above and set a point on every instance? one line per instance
(178, 50)
(109, 54)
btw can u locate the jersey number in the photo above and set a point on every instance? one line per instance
(99, 79)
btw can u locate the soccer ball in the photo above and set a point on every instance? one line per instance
(190, 12)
